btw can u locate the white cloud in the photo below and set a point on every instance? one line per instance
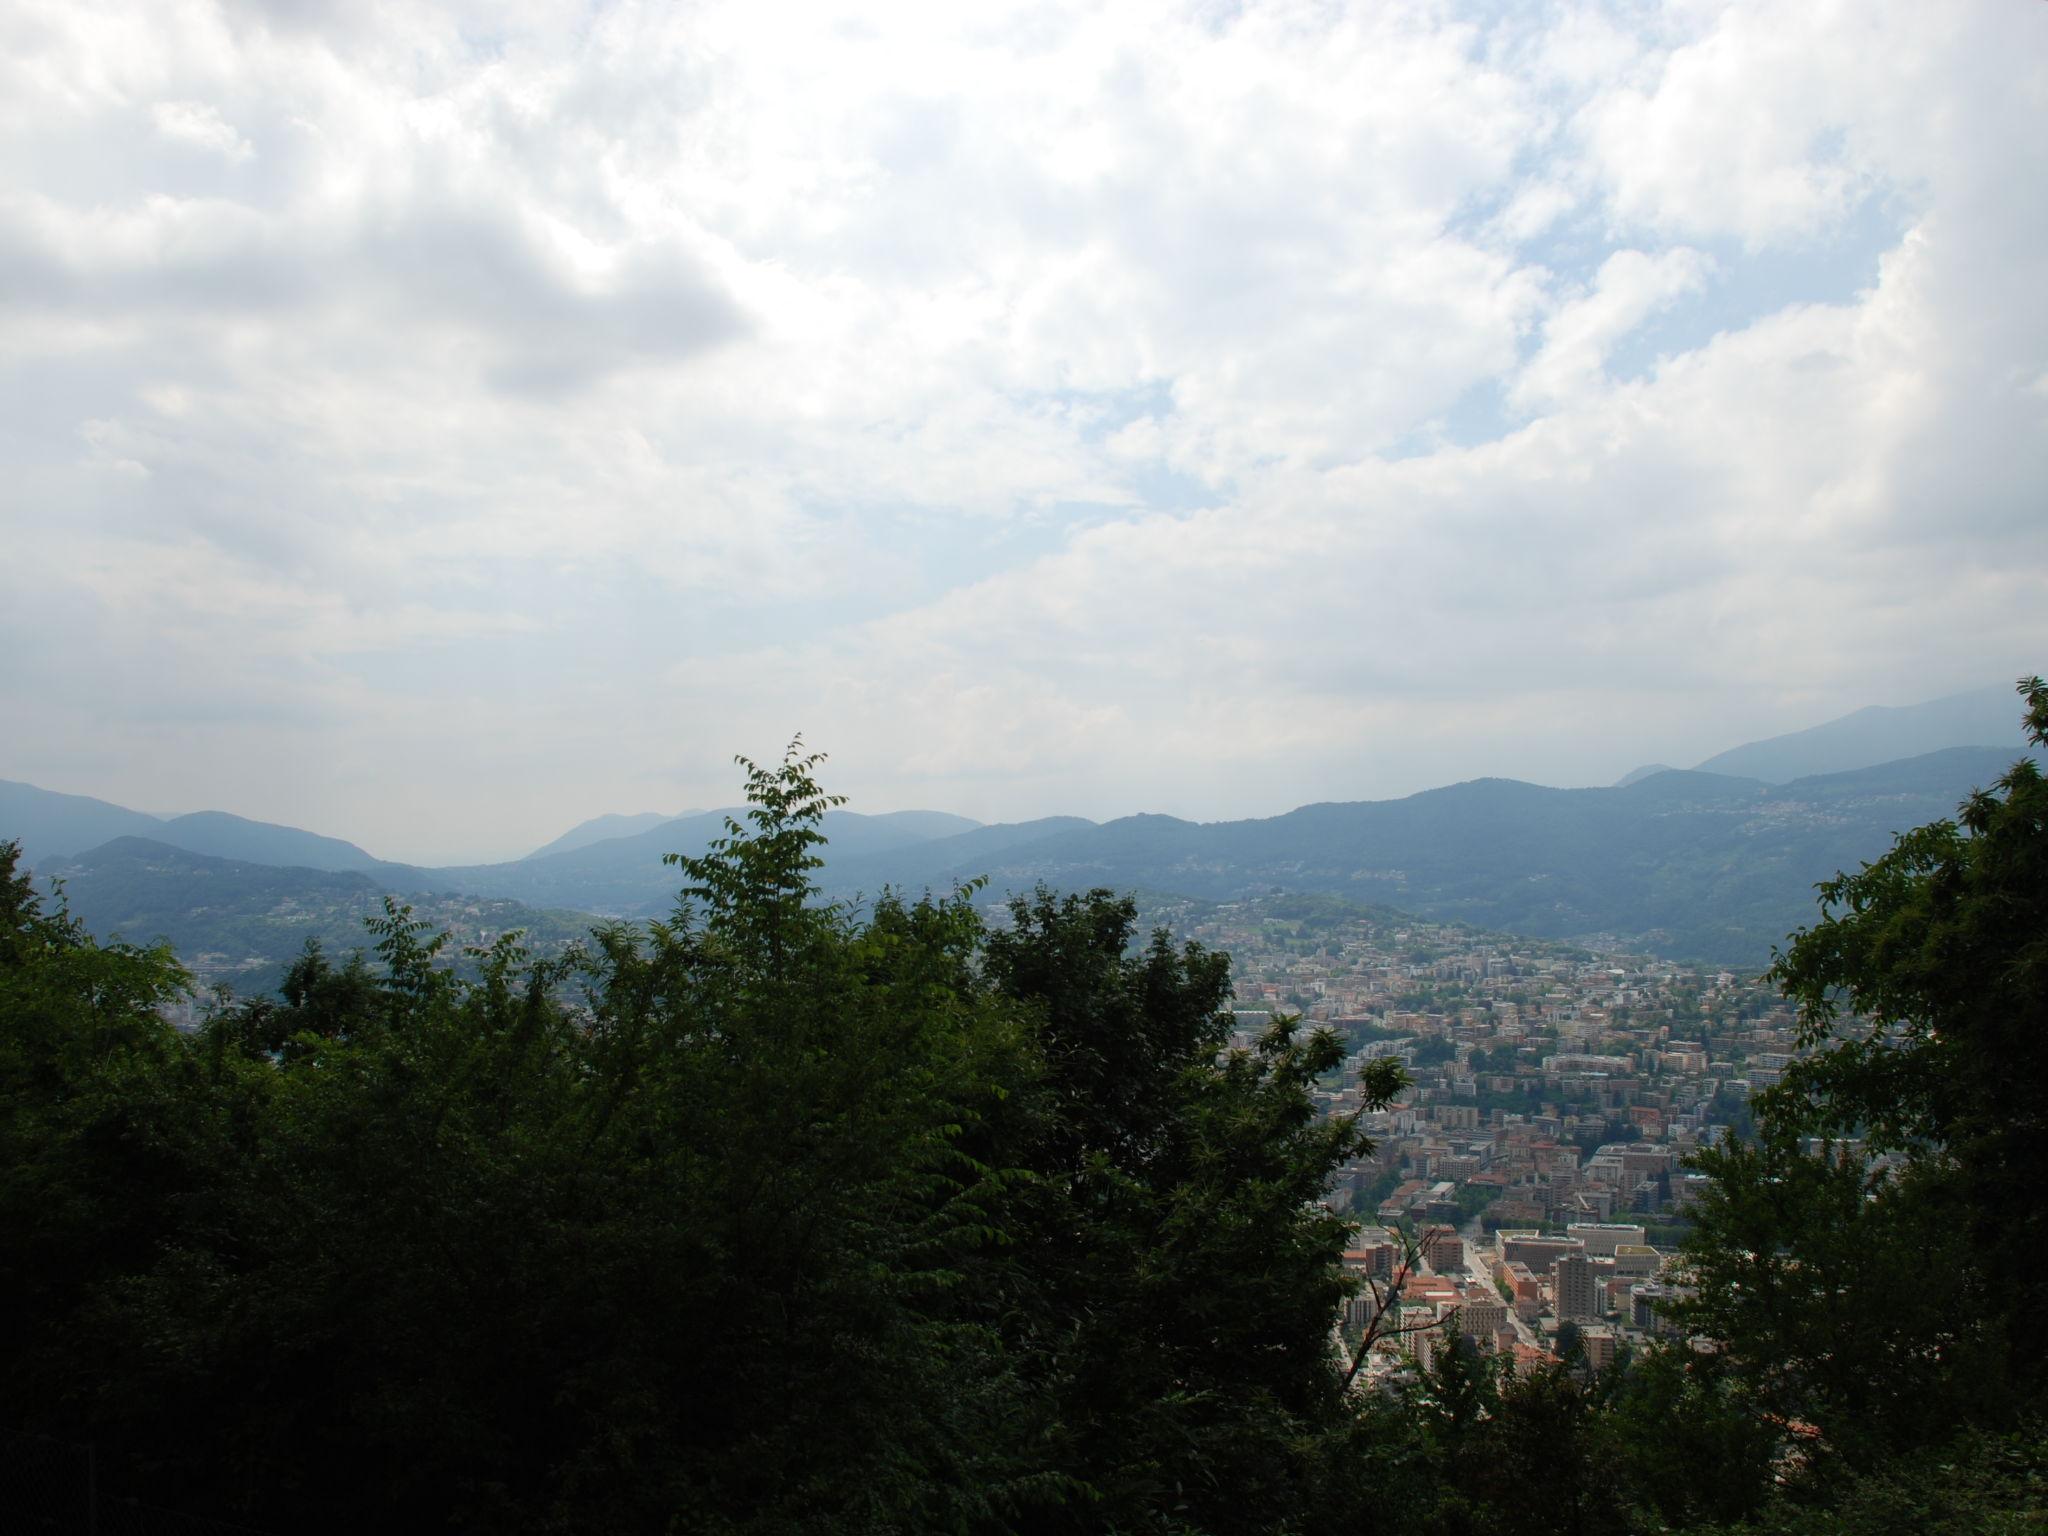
(1746, 127)
(198, 123)
(1043, 407)
(1577, 337)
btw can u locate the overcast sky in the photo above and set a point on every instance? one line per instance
(435, 425)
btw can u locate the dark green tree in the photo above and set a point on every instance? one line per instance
(96, 1141)
(1176, 1283)
(1847, 1296)
(1922, 993)
(670, 1236)
(1543, 1463)
(762, 1218)
(1871, 1262)
(1687, 1447)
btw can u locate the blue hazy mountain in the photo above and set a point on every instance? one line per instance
(584, 868)
(47, 823)
(942, 862)
(52, 825)
(1704, 865)
(625, 876)
(1984, 717)
(243, 922)
(220, 835)
(1711, 863)
(601, 829)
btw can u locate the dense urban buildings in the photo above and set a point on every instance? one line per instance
(1533, 1175)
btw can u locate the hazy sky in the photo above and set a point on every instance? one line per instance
(435, 425)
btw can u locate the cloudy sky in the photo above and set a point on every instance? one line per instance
(435, 425)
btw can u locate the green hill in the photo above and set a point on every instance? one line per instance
(240, 922)
(1701, 865)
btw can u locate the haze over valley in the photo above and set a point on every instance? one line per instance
(1698, 864)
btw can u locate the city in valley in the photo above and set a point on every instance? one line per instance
(1528, 1188)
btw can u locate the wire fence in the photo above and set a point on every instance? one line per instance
(52, 1486)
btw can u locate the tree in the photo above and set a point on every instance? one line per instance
(408, 1250)
(1687, 1443)
(1175, 1280)
(1472, 1446)
(1542, 1462)
(761, 1218)
(1871, 1261)
(1433, 1051)
(96, 1147)
(1921, 994)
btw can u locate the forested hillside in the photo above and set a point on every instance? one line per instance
(243, 923)
(1690, 864)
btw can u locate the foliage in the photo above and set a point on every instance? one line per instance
(1980, 1482)
(1499, 1059)
(1846, 1297)
(94, 1138)
(1870, 1260)
(1433, 1051)
(1473, 1199)
(1689, 1445)
(1926, 983)
(1176, 1278)
(760, 1218)
(1471, 1446)
(243, 924)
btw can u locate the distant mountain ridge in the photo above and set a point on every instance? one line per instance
(602, 828)
(46, 822)
(223, 836)
(1983, 717)
(625, 876)
(941, 862)
(611, 862)
(49, 824)
(243, 922)
(1700, 865)
(1704, 863)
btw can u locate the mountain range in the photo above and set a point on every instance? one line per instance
(1698, 865)
(601, 829)
(242, 922)
(1984, 717)
(48, 823)
(1708, 863)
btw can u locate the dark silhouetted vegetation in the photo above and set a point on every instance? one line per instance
(757, 1218)
(768, 1217)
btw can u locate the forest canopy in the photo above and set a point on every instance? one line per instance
(767, 1216)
